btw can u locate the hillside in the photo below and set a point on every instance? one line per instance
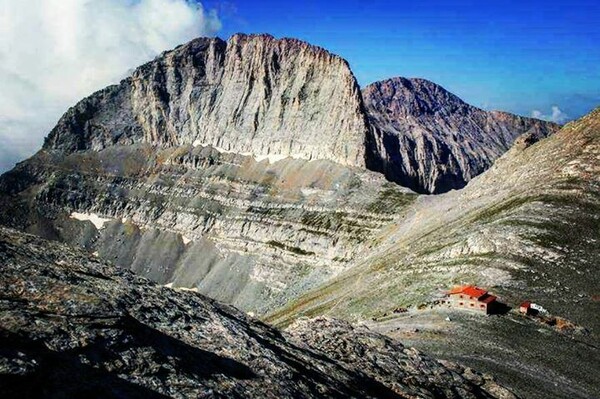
(75, 326)
(528, 228)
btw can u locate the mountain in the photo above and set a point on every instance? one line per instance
(240, 170)
(75, 326)
(528, 229)
(235, 168)
(431, 141)
(253, 94)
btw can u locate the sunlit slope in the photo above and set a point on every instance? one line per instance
(527, 228)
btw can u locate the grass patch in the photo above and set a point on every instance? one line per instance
(390, 200)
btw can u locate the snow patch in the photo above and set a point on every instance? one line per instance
(272, 158)
(187, 289)
(307, 192)
(96, 220)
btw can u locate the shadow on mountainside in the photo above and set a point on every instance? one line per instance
(126, 347)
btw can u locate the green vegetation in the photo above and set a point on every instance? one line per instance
(390, 200)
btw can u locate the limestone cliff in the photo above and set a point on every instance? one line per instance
(431, 141)
(251, 95)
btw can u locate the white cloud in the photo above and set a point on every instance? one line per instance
(556, 115)
(55, 52)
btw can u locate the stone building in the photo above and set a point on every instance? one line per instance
(471, 298)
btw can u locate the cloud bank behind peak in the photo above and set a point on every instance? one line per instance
(55, 52)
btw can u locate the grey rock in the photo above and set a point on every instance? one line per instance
(74, 326)
(252, 94)
(252, 234)
(431, 141)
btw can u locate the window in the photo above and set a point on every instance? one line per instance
(460, 303)
(472, 305)
(461, 297)
(482, 306)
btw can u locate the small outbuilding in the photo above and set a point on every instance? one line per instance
(525, 307)
(531, 309)
(470, 297)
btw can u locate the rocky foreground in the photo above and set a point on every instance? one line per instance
(74, 326)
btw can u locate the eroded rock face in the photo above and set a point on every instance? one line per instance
(431, 141)
(252, 94)
(74, 326)
(249, 233)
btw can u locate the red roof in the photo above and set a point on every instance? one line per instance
(469, 290)
(526, 305)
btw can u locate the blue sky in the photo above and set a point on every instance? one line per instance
(517, 56)
(527, 57)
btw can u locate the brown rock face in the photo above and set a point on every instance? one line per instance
(252, 94)
(431, 141)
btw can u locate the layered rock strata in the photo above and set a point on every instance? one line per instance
(253, 234)
(429, 140)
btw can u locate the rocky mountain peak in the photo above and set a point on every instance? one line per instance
(253, 94)
(411, 96)
(428, 139)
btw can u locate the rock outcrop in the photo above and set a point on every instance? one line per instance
(429, 140)
(250, 95)
(75, 326)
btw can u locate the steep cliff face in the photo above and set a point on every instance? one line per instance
(426, 138)
(250, 95)
(75, 326)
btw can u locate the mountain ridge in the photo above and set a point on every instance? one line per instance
(430, 140)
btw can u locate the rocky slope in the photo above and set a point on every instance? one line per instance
(430, 140)
(528, 228)
(74, 326)
(250, 95)
(235, 168)
(252, 234)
